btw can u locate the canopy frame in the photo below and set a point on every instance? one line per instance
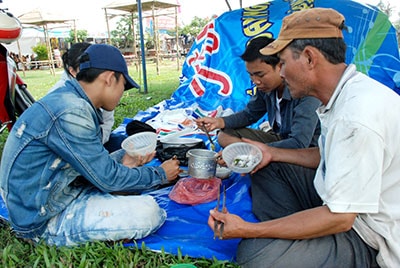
(139, 7)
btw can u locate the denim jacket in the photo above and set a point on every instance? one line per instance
(300, 124)
(53, 151)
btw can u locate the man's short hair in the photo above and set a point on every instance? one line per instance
(252, 51)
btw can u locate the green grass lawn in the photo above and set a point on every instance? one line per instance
(15, 252)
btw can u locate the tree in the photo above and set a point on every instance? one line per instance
(80, 34)
(194, 28)
(122, 36)
(388, 10)
(41, 51)
(189, 32)
(385, 8)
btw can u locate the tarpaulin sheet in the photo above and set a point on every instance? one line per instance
(186, 226)
(214, 81)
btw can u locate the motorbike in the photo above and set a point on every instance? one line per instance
(14, 95)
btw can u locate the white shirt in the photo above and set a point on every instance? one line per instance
(278, 117)
(360, 160)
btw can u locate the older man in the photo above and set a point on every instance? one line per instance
(336, 205)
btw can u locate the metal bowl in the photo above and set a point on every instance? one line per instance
(202, 163)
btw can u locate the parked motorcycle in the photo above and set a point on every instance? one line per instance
(14, 95)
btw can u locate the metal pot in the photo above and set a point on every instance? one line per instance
(202, 163)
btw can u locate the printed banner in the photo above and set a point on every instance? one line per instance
(214, 75)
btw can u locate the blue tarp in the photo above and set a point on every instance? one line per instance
(186, 225)
(214, 80)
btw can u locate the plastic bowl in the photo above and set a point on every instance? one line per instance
(241, 157)
(141, 143)
(223, 172)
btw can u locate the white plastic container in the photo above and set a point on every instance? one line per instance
(241, 157)
(140, 144)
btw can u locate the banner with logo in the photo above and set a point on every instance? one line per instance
(214, 75)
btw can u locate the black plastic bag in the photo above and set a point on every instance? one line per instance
(179, 151)
(137, 126)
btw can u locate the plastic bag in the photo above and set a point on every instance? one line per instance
(180, 152)
(193, 191)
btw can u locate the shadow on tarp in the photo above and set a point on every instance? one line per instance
(186, 230)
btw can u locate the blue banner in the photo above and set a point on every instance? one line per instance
(213, 74)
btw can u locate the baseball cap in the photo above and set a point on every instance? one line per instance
(308, 23)
(107, 57)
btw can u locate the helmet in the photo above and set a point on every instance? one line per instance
(10, 27)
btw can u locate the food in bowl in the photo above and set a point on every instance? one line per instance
(244, 161)
(241, 157)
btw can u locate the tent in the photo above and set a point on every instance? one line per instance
(157, 8)
(32, 36)
(29, 38)
(42, 18)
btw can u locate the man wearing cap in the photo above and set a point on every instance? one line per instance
(336, 205)
(59, 182)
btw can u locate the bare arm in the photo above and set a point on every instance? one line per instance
(306, 157)
(311, 223)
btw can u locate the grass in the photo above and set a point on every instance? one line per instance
(159, 86)
(16, 252)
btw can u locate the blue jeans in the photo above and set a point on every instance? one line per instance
(104, 217)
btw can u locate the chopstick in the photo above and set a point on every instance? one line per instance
(216, 222)
(221, 228)
(209, 137)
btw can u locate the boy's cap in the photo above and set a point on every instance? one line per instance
(309, 23)
(107, 57)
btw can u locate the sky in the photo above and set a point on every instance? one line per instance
(90, 14)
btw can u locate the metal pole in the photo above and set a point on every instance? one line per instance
(139, 4)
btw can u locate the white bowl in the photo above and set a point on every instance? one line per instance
(241, 157)
(141, 143)
(223, 172)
